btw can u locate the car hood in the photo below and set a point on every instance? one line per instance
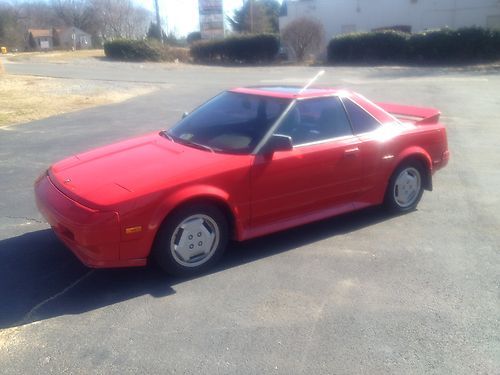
(108, 176)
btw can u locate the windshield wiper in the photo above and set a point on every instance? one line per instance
(166, 135)
(195, 145)
(187, 142)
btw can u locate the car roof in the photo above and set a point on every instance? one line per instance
(289, 92)
(295, 92)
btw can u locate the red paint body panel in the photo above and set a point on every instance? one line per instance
(91, 199)
(419, 115)
(293, 184)
(93, 236)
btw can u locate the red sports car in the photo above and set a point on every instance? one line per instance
(249, 162)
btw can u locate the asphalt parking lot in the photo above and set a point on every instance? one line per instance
(364, 293)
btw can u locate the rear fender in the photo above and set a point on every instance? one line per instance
(419, 154)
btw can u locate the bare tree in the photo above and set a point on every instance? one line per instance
(17, 17)
(138, 22)
(74, 13)
(120, 19)
(103, 19)
(303, 36)
(11, 28)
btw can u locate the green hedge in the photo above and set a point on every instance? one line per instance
(462, 45)
(237, 49)
(144, 50)
(374, 46)
(438, 46)
(133, 50)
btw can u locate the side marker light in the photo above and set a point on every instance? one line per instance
(131, 230)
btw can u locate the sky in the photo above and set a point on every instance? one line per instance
(181, 16)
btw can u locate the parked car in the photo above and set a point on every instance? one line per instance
(249, 162)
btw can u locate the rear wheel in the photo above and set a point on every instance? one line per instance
(191, 240)
(405, 187)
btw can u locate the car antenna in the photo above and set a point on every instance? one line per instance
(320, 73)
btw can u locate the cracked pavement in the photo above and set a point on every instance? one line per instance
(361, 293)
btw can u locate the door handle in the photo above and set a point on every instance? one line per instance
(351, 152)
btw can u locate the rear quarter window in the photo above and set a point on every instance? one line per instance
(361, 121)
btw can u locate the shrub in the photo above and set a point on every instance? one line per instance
(131, 50)
(193, 37)
(206, 50)
(178, 53)
(462, 45)
(237, 49)
(144, 50)
(368, 47)
(445, 46)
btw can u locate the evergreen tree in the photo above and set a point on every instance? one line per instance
(256, 16)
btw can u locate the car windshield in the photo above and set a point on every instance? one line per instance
(230, 123)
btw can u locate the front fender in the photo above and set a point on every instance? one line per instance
(191, 193)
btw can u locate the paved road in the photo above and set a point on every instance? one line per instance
(362, 293)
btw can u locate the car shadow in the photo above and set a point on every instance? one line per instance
(41, 279)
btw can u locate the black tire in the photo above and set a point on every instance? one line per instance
(195, 227)
(405, 187)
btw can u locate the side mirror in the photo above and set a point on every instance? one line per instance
(184, 115)
(278, 142)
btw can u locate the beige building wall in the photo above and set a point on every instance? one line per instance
(344, 16)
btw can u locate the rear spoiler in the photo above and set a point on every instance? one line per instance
(417, 115)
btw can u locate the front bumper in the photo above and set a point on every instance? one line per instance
(92, 235)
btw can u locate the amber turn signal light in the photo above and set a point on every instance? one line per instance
(131, 230)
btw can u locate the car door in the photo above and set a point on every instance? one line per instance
(374, 150)
(320, 176)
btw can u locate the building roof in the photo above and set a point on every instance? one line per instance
(40, 33)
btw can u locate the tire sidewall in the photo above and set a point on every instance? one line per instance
(162, 253)
(390, 201)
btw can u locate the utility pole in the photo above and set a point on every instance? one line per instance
(158, 24)
(455, 9)
(251, 16)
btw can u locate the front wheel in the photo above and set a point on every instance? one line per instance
(191, 240)
(405, 187)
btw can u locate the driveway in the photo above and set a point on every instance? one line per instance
(362, 293)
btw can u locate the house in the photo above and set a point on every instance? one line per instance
(40, 39)
(73, 38)
(65, 38)
(347, 16)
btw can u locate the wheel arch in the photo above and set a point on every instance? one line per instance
(197, 195)
(419, 155)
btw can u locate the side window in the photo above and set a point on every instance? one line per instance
(314, 120)
(361, 121)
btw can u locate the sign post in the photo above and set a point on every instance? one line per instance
(211, 19)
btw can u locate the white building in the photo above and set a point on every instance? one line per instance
(345, 16)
